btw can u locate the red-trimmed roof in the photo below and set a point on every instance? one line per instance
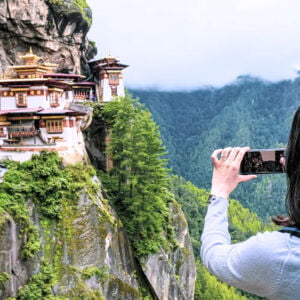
(20, 111)
(63, 75)
(18, 85)
(54, 111)
(40, 111)
(84, 83)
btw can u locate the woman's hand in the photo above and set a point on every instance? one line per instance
(226, 175)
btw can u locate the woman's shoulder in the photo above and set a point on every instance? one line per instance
(274, 241)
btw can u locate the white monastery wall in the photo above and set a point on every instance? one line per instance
(35, 101)
(8, 103)
(106, 90)
(121, 88)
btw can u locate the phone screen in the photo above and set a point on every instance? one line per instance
(263, 161)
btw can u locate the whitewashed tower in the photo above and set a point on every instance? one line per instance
(109, 78)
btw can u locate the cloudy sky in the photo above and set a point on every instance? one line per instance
(185, 44)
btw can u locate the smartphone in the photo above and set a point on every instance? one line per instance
(263, 161)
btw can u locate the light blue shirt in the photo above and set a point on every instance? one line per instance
(267, 264)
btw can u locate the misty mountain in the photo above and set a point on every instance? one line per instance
(248, 112)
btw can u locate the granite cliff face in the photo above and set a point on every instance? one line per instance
(56, 30)
(98, 242)
(172, 275)
(96, 261)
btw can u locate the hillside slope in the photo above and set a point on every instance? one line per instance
(248, 112)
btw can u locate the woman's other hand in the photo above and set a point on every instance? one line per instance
(226, 175)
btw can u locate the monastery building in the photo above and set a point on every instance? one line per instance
(42, 110)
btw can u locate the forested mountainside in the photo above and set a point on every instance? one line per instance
(248, 112)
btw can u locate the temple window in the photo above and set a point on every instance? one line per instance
(21, 99)
(81, 94)
(114, 91)
(114, 79)
(54, 126)
(2, 134)
(54, 99)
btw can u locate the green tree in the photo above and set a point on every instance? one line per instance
(140, 174)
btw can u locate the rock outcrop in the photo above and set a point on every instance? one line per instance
(91, 240)
(56, 30)
(172, 275)
(19, 271)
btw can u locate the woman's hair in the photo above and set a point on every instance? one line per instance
(292, 164)
(293, 171)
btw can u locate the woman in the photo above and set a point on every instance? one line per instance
(267, 264)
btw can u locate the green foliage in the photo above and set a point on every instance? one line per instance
(248, 112)
(13, 200)
(39, 285)
(83, 7)
(80, 290)
(3, 278)
(54, 191)
(33, 243)
(97, 109)
(63, 6)
(44, 181)
(138, 180)
(101, 274)
(209, 287)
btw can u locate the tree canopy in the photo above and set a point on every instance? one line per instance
(247, 112)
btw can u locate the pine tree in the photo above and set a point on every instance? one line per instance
(139, 169)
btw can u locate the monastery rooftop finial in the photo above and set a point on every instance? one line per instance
(30, 58)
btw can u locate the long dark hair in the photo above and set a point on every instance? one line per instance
(292, 158)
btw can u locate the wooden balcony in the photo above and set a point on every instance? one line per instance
(22, 131)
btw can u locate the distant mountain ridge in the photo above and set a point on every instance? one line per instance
(248, 112)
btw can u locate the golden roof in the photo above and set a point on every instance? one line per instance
(30, 58)
(110, 57)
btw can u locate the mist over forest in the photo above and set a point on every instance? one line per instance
(248, 112)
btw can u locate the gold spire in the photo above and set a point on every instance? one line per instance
(30, 58)
(110, 57)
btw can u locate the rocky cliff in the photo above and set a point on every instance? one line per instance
(82, 252)
(56, 30)
(170, 275)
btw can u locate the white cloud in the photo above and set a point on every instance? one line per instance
(176, 44)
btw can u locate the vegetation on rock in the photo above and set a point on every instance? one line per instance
(67, 5)
(138, 180)
(3, 278)
(43, 185)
